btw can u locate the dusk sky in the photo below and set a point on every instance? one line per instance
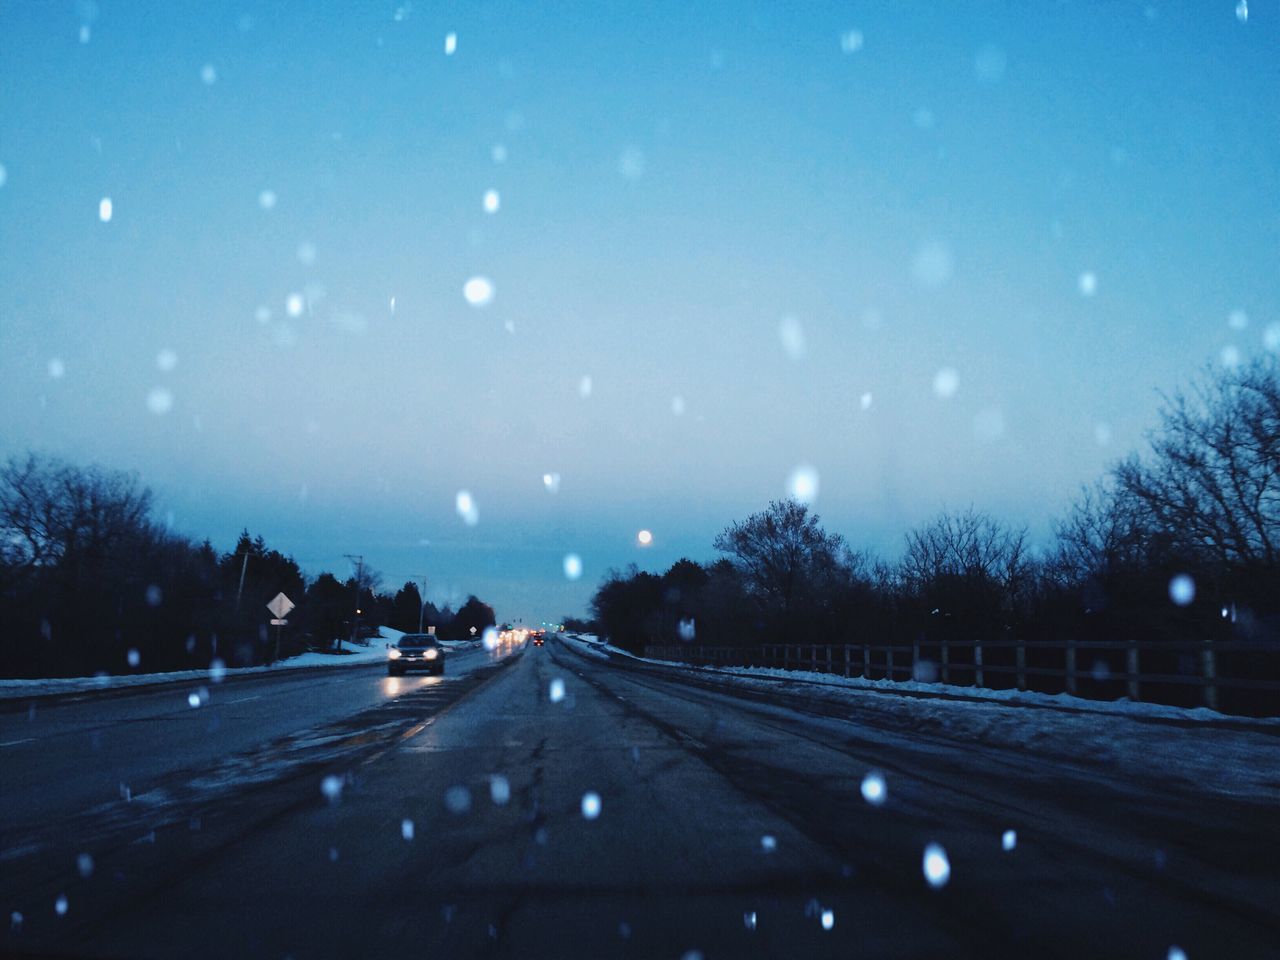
(927, 254)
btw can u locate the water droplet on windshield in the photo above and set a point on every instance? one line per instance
(937, 868)
(406, 828)
(573, 566)
(873, 789)
(499, 789)
(590, 805)
(331, 787)
(106, 209)
(478, 291)
(1182, 589)
(556, 693)
(1008, 840)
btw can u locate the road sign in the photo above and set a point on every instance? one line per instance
(280, 606)
(278, 622)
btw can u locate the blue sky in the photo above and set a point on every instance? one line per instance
(1065, 205)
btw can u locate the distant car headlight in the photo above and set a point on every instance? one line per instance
(393, 653)
(431, 653)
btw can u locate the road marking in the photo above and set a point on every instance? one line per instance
(241, 700)
(14, 743)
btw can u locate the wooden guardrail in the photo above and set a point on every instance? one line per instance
(1142, 668)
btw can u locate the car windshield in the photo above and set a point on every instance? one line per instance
(657, 479)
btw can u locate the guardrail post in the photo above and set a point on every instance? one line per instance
(1021, 653)
(946, 662)
(829, 670)
(813, 657)
(977, 663)
(915, 657)
(1071, 665)
(888, 662)
(1209, 667)
(1131, 669)
(866, 662)
(846, 659)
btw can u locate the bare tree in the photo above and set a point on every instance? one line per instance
(1212, 482)
(785, 559)
(968, 561)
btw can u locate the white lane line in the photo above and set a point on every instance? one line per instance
(14, 743)
(227, 703)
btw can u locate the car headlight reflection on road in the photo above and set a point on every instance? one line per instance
(393, 653)
(431, 653)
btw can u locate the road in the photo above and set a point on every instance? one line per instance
(640, 814)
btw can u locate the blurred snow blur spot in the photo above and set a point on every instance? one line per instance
(590, 805)
(1088, 283)
(988, 424)
(294, 305)
(1271, 337)
(865, 401)
(57, 369)
(15, 921)
(946, 382)
(768, 843)
(499, 789)
(1176, 953)
(677, 405)
(478, 291)
(60, 905)
(450, 44)
(217, 670)
(933, 264)
(687, 629)
(873, 789)
(585, 386)
(465, 505)
(208, 75)
(498, 153)
(1238, 320)
(84, 864)
(989, 64)
(1242, 14)
(133, 657)
(406, 828)
(166, 360)
(749, 919)
(556, 693)
(85, 33)
(4, 175)
(306, 253)
(105, 209)
(631, 163)
(262, 314)
(924, 119)
(198, 697)
(551, 481)
(644, 538)
(1102, 434)
(160, 400)
(1008, 840)
(572, 566)
(1182, 589)
(331, 787)
(492, 202)
(457, 799)
(1230, 356)
(692, 955)
(267, 199)
(489, 638)
(802, 485)
(937, 868)
(828, 919)
(791, 334)
(851, 41)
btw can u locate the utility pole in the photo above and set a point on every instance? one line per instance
(243, 567)
(358, 560)
(422, 606)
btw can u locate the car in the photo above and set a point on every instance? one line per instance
(415, 651)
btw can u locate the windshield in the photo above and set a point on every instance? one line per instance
(656, 479)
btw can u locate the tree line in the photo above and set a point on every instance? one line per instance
(90, 581)
(1178, 542)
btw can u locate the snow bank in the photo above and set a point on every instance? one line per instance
(374, 652)
(1191, 749)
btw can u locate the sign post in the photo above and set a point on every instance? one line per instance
(279, 606)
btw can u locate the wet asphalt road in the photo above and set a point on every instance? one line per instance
(457, 824)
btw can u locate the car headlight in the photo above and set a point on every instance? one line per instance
(393, 653)
(431, 653)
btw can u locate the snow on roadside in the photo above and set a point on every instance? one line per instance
(1202, 751)
(375, 652)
